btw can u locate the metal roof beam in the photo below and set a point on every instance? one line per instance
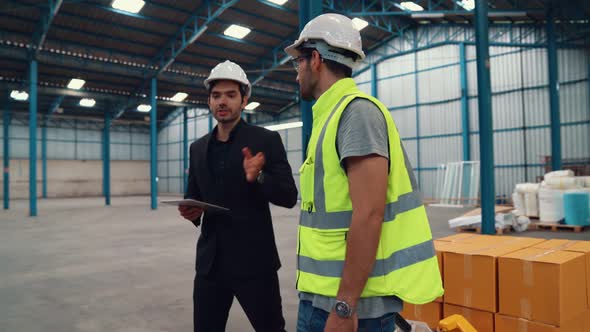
(190, 31)
(274, 5)
(46, 20)
(439, 14)
(279, 57)
(49, 90)
(55, 105)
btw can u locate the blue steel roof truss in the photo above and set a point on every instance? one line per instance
(61, 44)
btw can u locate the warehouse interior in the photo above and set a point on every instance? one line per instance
(100, 102)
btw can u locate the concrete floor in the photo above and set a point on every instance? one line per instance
(80, 266)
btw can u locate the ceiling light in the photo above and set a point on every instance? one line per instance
(19, 95)
(288, 125)
(252, 106)
(236, 31)
(132, 6)
(144, 108)
(278, 2)
(76, 84)
(87, 102)
(359, 24)
(427, 15)
(412, 6)
(467, 4)
(179, 96)
(508, 14)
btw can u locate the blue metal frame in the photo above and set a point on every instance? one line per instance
(376, 13)
(44, 154)
(374, 80)
(185, 146)
(308, 9)
(6, 153)
(210, 122)
(46, 20)
(464, 103)
(190, 31)
(553, 93)
(153, 144)
(417, 110)
(55, 105)
(486, 136)
(33, 74)
(106, 158)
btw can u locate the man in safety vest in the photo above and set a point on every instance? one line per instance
(365, 244)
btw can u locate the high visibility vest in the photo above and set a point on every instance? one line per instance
(406, 264)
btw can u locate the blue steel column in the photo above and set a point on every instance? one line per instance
(374, 80)
(33, 139)
(553, 93)
(185, 146)
(484, 102)
(106, 158)
(44, 154)
(308, 9)
(464, 103)
(6, 157)
(210, 121)
(418, 165)
(153, 145)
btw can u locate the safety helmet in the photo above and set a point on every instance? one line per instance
(337, 31)
(228, 70)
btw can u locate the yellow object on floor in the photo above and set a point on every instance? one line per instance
(455, 323)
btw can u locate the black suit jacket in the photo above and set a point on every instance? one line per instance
(240, 243)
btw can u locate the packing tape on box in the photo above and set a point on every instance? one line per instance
(467, 266)
(527, 273)
(566, 245)
(525, 308)
(535, 256)
(522, 326)
(417, 311)
(467, 296)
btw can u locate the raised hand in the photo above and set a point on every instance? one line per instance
(252, 164)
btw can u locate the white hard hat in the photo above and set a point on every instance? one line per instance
(335, 30)
(228, 70)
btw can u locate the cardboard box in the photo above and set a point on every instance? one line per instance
(430, 313)
(439, 248)
(482, 321)
(542, 285)
(512, 324)
(575, 246)
(462, 237)
(470, 270)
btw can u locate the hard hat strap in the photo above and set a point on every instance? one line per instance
(330, 53)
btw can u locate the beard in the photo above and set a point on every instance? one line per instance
(307, 96)
(229, 117)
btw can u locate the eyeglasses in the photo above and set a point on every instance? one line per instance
(298, 60)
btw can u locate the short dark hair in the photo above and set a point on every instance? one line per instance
(335, 67)
(241, 87)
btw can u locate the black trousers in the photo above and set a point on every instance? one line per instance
(259, 297)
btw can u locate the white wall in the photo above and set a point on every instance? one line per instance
(79, 178)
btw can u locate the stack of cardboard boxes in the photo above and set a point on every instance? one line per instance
(511, 284)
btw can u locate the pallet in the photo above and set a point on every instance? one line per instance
(560, 227)
(477, 229)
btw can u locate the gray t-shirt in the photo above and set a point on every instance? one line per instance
(362, 131)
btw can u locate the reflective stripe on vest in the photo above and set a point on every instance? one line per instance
(382, 267)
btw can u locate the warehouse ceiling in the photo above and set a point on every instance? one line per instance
(117, 52)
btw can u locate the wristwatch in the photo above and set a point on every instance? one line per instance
(260, 177)
(343, 309)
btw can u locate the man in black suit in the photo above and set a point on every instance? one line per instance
(243, 168)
